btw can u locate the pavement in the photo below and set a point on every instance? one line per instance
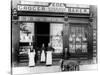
(35, 70)
(23, 68)
(89, 67)
(48, 69)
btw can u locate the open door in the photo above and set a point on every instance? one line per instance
(42, 30)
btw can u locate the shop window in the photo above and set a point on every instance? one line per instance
(78, 39)
(26, 37)
(56, 37)
(26, 32)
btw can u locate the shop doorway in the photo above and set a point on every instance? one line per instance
(42, 31)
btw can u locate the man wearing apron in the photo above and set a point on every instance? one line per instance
(43, 53)
(31, 54)
(49, 55)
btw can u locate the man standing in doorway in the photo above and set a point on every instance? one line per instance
(49, 55)
(31, 54)
(43, 53)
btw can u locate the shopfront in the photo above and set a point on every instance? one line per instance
(66, 26)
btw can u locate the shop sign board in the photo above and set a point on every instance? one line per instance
(78, 10)
(41, 8)
(41, 19)
(53, 8)
(42, 4)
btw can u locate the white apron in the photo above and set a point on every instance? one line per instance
(32, 58)
(49, 58)
(42, 56)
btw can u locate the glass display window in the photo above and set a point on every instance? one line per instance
(56, 36)
(78, 39)
(26, 32)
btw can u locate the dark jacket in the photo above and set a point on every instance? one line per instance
(50, 48)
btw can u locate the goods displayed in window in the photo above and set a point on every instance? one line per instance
(78, 40)
(26, 32)
(56, 37)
